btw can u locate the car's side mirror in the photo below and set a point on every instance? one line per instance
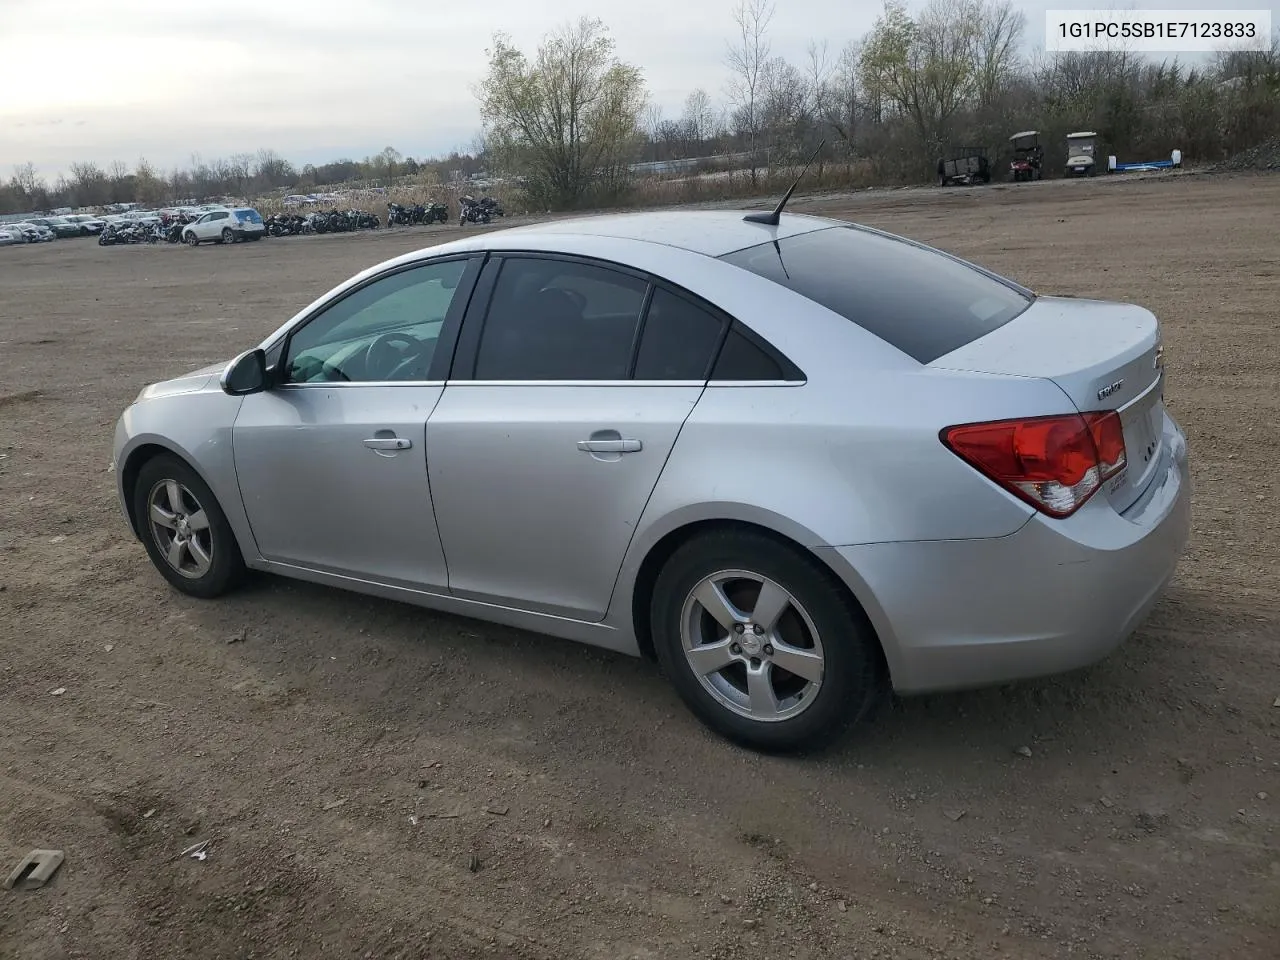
(245, 374)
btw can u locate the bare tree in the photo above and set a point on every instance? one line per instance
(840, 101)
(26, 179)
(147, 187)
(385, 164)
(651, 123)
(997, 34)
(699, 118)
(746, 58)
(784, 103)
(88, 183)
(818, 92)
(273, 170)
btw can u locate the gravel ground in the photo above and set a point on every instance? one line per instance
(378, 781)
(1264, 156)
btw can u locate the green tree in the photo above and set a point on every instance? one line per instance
(569, 120)
(924, 68)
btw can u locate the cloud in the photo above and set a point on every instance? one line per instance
(168, 78)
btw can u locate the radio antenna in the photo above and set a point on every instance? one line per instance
(775, 215)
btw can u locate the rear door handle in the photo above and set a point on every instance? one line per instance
(610, 446)
(388, 443)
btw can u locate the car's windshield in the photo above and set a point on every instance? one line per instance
(917, 299)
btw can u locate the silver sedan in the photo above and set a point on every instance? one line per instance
(797, 462)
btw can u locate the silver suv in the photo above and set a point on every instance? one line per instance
(225, 226)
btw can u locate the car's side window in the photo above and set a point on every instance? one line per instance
(679, 339)
(740, 359)
(551, 319)
(384, 331)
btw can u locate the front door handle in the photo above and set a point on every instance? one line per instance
(621, 445)
(388, 443)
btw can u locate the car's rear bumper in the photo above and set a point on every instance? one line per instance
(1054, 596)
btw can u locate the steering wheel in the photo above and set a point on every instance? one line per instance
(381, 359)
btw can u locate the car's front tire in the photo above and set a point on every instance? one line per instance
(192, 240)
(762, 642)
(184, 530)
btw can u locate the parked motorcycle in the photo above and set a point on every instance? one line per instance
(473, 210)
(123, 231)
(400, 215)
(343, 221)
(171, 225)
(288, 225)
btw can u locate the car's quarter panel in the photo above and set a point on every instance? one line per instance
(529, 519)
(319, 495)
(1054, 596)
(857, 461)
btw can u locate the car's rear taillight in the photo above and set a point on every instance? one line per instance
(1053, 463)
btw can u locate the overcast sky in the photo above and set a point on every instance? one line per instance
(316, 80)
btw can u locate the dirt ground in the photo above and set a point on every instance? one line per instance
(378, 781)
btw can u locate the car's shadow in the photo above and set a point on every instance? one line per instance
(376, 656)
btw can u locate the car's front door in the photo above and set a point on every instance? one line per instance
(549, 440)
(332, 460)
(204, 228)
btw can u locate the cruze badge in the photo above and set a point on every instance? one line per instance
(1109, 389)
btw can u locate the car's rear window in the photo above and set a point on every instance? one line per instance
(919, 300)
(251, 215)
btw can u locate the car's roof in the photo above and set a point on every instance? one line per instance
(709, 232)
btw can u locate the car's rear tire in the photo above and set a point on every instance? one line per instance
(184, 530)
(228, 236)
(754, 699)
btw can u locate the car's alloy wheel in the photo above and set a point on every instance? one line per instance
(184, 530)
(228, 236)
(751, 645)
(762, 642)
(193, 240)
(180, 527)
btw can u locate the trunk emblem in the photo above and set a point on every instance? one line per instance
(1110, 388)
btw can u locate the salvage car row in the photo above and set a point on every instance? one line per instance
(45, 229)
(71, 225)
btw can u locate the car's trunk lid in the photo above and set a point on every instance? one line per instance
(1102, 355)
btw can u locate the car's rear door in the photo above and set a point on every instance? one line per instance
(571, 383)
